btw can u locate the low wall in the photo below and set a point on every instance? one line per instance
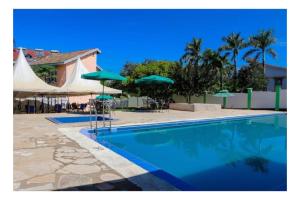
(260, 100)
(194, 107)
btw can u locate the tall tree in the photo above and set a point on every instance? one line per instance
(128, 68)
(261, 44)
(233, 44)
(252, 76)
(221, 62)
(191, 63)
(209, 71)
(217, 63)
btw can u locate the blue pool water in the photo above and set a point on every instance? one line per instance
(76, 119)
(228, 154)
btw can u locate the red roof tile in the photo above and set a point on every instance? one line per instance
(48, 57)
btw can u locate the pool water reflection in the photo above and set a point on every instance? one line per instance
(239, 154)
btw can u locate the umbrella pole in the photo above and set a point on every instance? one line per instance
(103, 119)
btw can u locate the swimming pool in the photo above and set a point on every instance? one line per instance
(238, 153)
(74, 119)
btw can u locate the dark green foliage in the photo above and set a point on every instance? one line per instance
(234, 43)
(252, 76)
(261, 46)
(148, 67)
(46, 73)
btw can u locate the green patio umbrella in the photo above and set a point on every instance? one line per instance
(103, 76)
(153, 80)
(104, 97)
(224, 94)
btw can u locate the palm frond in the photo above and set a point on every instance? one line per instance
(271, 52)
(249, 53)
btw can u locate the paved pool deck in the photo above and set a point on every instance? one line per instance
(49, 156)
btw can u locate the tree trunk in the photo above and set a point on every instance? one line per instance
(189, 98)
(221, 78)
(263, 59)
(235, 74)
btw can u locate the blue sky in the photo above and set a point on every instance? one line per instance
(134, 35)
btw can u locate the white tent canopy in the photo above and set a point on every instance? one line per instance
(78, 86)
(26, 81)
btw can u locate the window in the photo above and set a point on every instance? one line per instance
(28, 56)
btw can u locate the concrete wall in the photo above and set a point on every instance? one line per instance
(260, 100)
(194, 107)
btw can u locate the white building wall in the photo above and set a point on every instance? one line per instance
(284, 84)
(271, 84)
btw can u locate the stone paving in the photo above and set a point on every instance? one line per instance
(46, 159)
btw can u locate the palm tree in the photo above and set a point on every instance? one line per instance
(233, 44)
(191, 62)
(192, 53)
(261, 46)
(209, 71)
(221, 62)
(216, 61)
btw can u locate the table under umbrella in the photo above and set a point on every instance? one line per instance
(224, 94)
(153, 80)
(103, 76)
(104, 97)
